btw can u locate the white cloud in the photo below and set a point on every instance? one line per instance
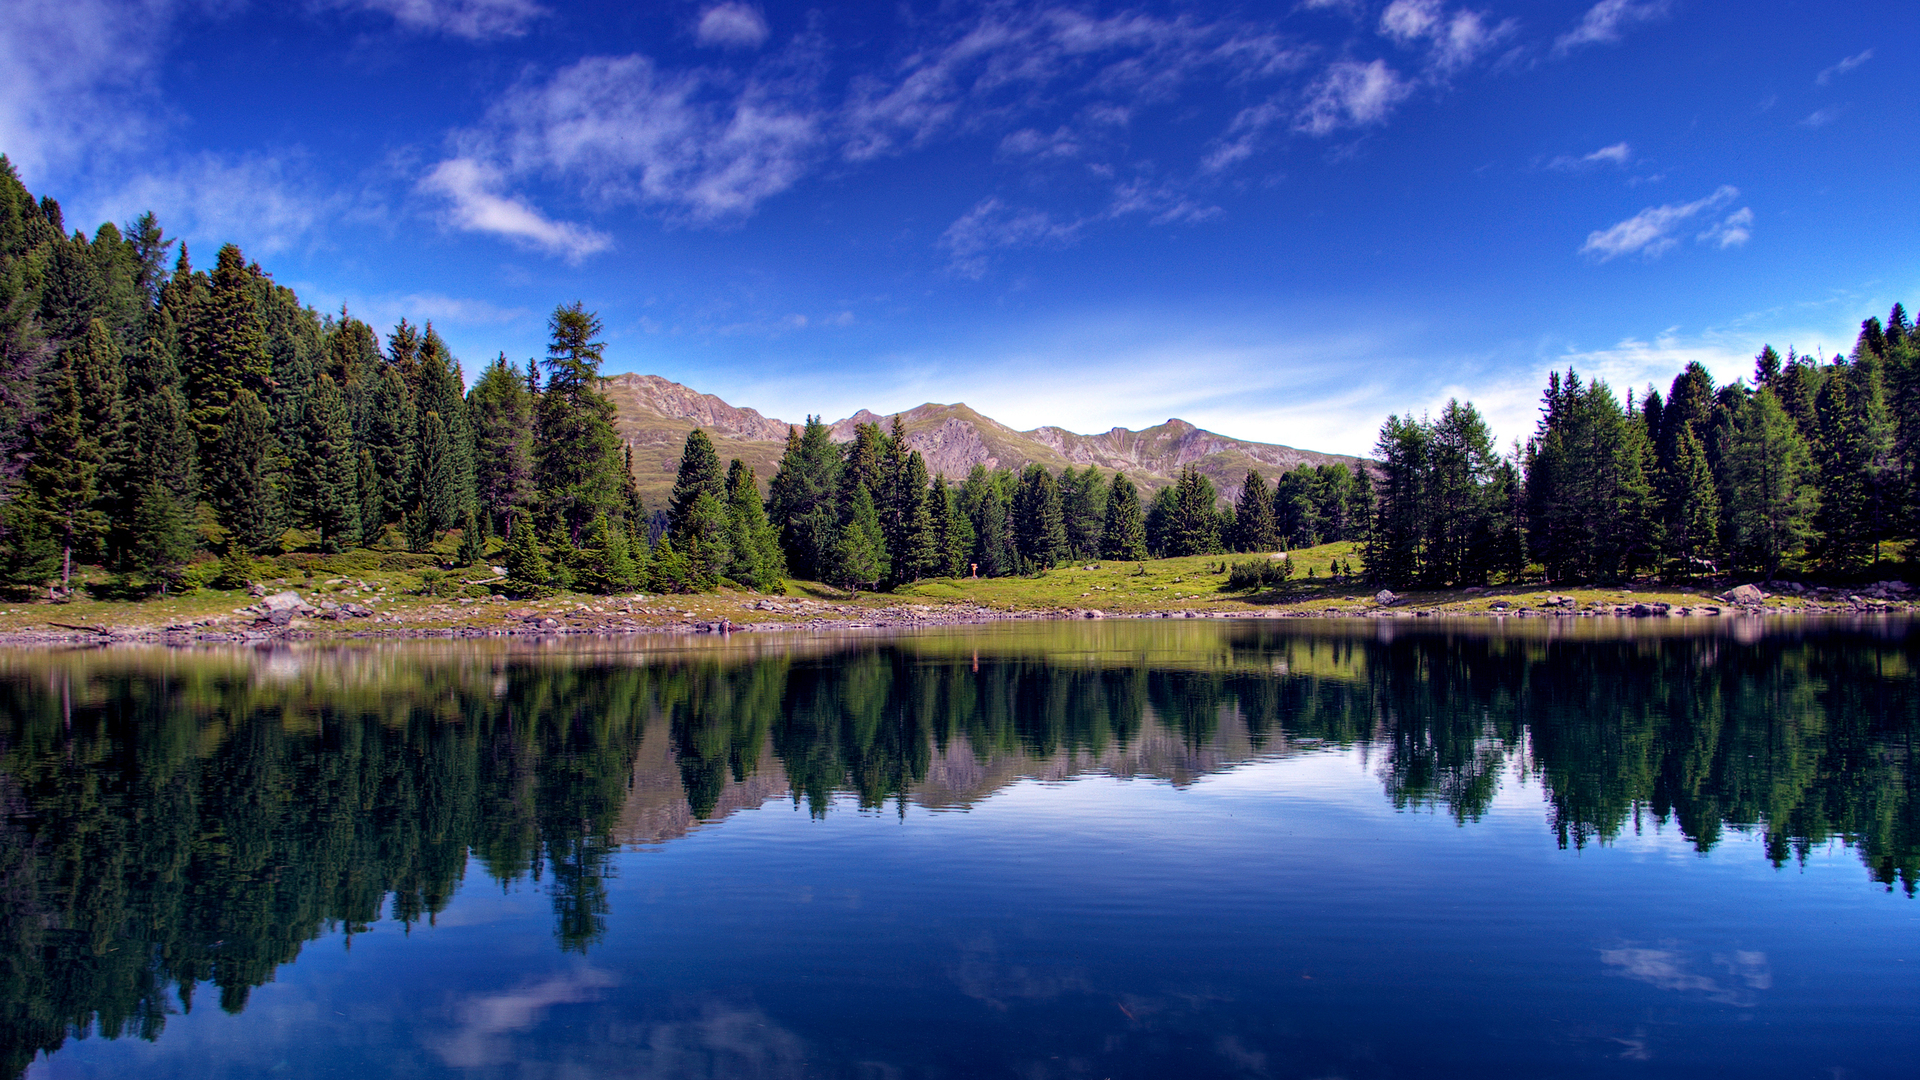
(1618, 154)
(473, 189)
(475, 20)
(1649, 233)
(1351, 94)
(266, 204)
(1820, 118)
(1732, 231)
(1455, 40)
(993, 225)
(78, 80)
(731, 26)
(1843, 67)
(1607, 21)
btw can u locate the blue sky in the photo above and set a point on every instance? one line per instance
(1282, 221)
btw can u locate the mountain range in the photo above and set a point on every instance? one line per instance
(656, 414)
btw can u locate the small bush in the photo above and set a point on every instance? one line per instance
(1260, 574)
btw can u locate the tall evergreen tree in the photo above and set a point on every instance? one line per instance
(984, 495)
(1396, 547)
(577, 457)
(391, 429)
(327, 479)
(1691, 506)
(244, 475)
(1768, 490)
(224, 346)
(1124, 535)
(699, 475)
(862, 547)
(1039, 527)
(803, 500)
(919, 550)
(751, 538)
(1253, 516)
(501, 411)
(956, 529)
(434, 493)
(63, 477)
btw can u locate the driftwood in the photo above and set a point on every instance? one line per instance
(100, 630)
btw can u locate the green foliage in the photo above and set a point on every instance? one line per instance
(699, 475)
(803, 500)
(501, 413)
(606, 562)
(577, 457)
(235, 570)
(861, 554)
(1253, 523)
(1124, 534)
(327, 479)
(528, 573)
(1261, 574)
(1039, 527)
(473, 540)
(1768, 491)
(670, 571)
(751, 538)
(1193, 518)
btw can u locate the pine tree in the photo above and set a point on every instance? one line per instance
(1253, 516)
(63, 476)
(501, 412)
(1692, 506)
(440, 392)
(1083, 506)
(671, 572)
(956, 530)
(703, 540)
(225, 346)
(1039, 527)
(244, 475)
(1395, 552)
(755, 546)
(606, 561)
(327, 479)
(391, 429)
(699, 475)
(577, 456)
(919, 553)
(862, 549)
(473, 541)
(802, 500)
(1768, 490)
(434, 491)
(528, 573)
(1194, 527)
(1125, 533)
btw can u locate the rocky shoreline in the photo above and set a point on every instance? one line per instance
(289, 616)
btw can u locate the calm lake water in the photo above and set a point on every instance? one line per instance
(1060, 850)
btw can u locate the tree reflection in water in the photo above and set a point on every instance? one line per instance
(174, 818)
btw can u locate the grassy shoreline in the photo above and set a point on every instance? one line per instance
(1183, 587)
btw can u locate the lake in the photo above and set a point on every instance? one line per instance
(1142, 848)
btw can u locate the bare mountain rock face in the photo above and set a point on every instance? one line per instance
(655, 415)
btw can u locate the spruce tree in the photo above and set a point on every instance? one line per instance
(1125, 533)
(1769, 491)
(327, 477)
(577, 457)
(752, 540)
(434, 491)
(1039, 527)
(63, 476)
(391, 430)
(1692, 506)
(919, 553)
(1194, 528)
(473, 540)
(956, 530)
(244, 475)
(225, 346)
(1253, 516)
(606, 561)
(802, 500)
(862, 548)
(528, 573)
(1395, 551)
(501, 412)
(699, 475)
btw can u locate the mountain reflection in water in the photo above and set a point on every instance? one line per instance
(179, 818)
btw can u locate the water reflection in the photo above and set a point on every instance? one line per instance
(180, 819)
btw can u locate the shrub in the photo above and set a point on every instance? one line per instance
(1260, 574)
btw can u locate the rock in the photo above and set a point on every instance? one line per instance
(256, 590)
(282, 601)
(281, 617)
(1746, 595)
(1499, 605)
(1385, 598)
(1093, 614)
(1472, 590)
(1641, 611)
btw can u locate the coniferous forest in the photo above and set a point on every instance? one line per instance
(168, 424)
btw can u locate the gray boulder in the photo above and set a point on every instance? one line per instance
(1746, 595)
(282, 601)
(1385, 598)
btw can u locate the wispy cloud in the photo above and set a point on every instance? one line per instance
(731, 26)
(1454, 40)
(1667, 969)
(484, 1022)
(475, 20)
(1820, 118)
(993, 225)
(1649, 233)
(1351, 94)
(473, 190)
(1619, 154)
(79, 78)
(265, 203)
(1844, 66)
(1732, 231)
(1607, 22)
